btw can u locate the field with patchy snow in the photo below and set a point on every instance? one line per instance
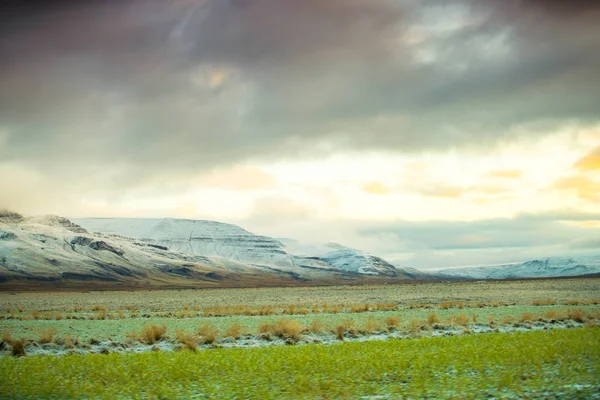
(82, 334)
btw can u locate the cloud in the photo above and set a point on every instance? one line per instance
(240, 178)
(377, 188)
(585, 188)
(505, 174)
(181, 87)
(590, 162)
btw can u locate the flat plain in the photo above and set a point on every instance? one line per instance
(430, 331)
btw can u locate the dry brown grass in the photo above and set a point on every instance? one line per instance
(577, 314)
(507, 320)
(287, 328)
(433, 318)
(527, 317)
(393, 322)
(208, 333)
(46, 335)
(386, 306)
(150, 334)
(234, 331)
(36, 314)
(543, 302)
(460, 319)
(451, 304)
(339, 332)
(7, 336)
(18, 347)
(316, 326)
(551, 315)
(187, 339)
(371, 325)
(98, 308)
(581, 302)
(415, 326)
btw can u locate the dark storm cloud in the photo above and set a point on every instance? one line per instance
(115, 85)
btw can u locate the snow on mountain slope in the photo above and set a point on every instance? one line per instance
(53, 250)
(542, 268)
(208, 238)
(360, 262)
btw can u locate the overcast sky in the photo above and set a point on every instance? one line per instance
(436, 133)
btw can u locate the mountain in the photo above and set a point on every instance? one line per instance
(208, 238)
(113, 252)
(543, 268)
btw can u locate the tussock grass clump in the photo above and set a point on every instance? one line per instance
(543, 302)
(186, 339)
(287, 328)
(234, 330)
(433, 318)
(393, 322)
(208, 333)
(150, 334)
(527, 317)
(507, 320)
(371, 325)
(386, 306)
(551, 315)
(7, 335)
(316, 326)
(18, 347)
(339, 332)
(415, 326)
(577, 314)
(46, 335)
(452, 304)
(460, 319)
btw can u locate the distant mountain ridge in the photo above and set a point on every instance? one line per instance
(548, 267)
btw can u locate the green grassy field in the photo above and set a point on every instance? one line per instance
(543, 364)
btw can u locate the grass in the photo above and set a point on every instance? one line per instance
(493, 365)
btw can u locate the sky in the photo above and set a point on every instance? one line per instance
(432, 133)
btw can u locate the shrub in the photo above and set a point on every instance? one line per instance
(208, 333)
(46, 335)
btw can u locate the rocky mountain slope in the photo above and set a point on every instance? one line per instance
(542, 268)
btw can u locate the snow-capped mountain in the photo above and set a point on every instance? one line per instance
(54, 250)
(360, 262)
(542, 268)
(207, 238)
